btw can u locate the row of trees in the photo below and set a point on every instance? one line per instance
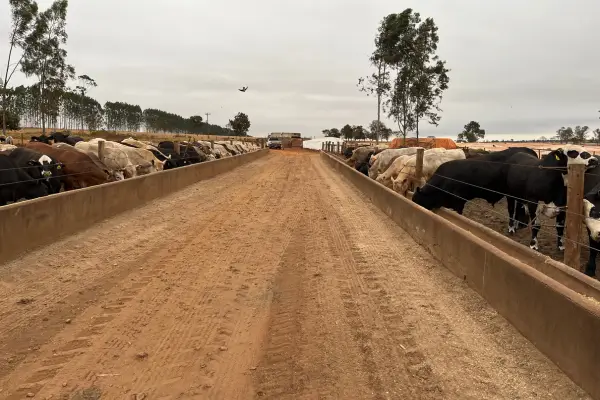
(376, 130)
(579, 134)
(75, 110)
(410, 78)
(40, 37)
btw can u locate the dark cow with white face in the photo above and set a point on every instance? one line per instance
(61, 137)
(541, 183)
(16, 183)
(40, 167)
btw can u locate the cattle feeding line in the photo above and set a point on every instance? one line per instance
(551, 233)
(500, 193)
(82, 162)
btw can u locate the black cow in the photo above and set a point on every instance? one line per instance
(40, 167)
(42, 138)
(542, 181)
(60, 137)
(16, 183)
(192, 154)
(363, 167)
(458, 181)
(348, 152)
(187, 154)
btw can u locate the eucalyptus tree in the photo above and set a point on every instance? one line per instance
(46, 59)
(23, 15)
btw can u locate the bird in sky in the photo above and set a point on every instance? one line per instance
(243, 89)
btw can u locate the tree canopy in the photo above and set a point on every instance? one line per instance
(23, 16)
(596, 133)
(410, 76)
(472, 132)
(333, 132)
(378, 126)
(240, 124)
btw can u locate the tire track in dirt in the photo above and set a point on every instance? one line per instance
(67, 286)
(277, 229)
(473, 336)
(307, 351)
(174, 348)
(380, 329)
(137, 286)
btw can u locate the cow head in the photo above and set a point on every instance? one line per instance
(575, 155)
(402, 182)
(144, 169)
(425, 200)
(118, 176)
(46, 165)
(550, 210)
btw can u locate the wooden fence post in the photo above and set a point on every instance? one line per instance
(101, 150)
(176, 147)
(323, 146)
(22, 140)
(212, 144)
(338, 148)
(418, 168)
(574, 216)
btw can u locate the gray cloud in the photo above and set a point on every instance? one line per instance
(519, 68)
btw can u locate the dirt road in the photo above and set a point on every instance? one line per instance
(275, 281)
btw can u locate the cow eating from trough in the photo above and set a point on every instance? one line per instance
(79, 170)
(541, 184)
(40, 167)
(456, 182)
(16, 183)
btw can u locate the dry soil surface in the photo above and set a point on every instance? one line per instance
(275, 281)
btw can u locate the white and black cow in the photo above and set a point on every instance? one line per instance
(591, 212)
(456, 182)
(39, 166)
(541, 184)
(16, 183)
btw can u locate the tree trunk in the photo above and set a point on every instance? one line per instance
(4, 111)
(378, 102)
(417, 132)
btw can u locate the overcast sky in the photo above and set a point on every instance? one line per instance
(520, 68)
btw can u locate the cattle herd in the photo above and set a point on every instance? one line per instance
(61, 162)
(532, 186)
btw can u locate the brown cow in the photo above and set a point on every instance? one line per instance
(80, 170)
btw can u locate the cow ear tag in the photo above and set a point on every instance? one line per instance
(557, 158)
